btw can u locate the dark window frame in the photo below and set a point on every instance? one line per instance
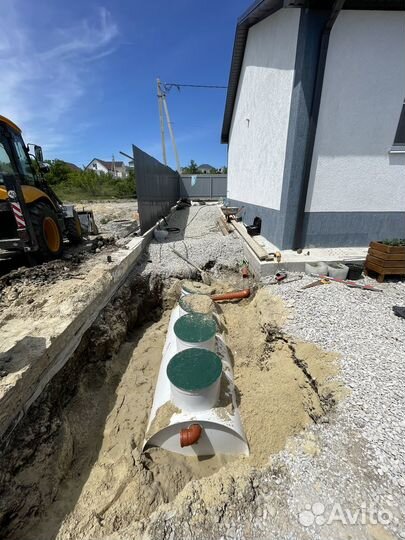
(399, 139)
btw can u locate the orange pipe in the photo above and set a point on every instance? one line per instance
(231, 295)
(190, 435)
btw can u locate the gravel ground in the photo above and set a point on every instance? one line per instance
(358, 460)
(344, 478)
(203, 244)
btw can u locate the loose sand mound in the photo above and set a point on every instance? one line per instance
(114, 489)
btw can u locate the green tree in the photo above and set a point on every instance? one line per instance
(59, 172)
(192, 168)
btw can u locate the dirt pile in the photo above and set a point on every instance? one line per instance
(70, 266)
(279, 396)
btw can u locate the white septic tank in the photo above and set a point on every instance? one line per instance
(195, 410)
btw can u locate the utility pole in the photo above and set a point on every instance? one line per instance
(162, 126)
(169, 125)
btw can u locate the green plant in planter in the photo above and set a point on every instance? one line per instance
(397, 242)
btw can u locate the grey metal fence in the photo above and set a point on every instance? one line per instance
(203, 186)
(157, 188)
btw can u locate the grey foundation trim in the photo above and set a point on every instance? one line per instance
(337, 229)
(270, 219)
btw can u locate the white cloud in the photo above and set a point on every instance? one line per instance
(39, 88)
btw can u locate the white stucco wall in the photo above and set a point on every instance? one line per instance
(259, 126)
(363, 92)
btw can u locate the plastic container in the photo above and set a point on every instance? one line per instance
(355, 271)
(160, 234)
(195, 379)
(195, 331)
(191, 287)
(196, 303)
(316, 268)
(338, 270)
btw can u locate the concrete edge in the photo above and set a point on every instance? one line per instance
(62, 347)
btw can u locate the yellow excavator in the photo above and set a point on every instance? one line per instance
(32, 217)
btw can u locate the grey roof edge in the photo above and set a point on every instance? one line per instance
(260, 10)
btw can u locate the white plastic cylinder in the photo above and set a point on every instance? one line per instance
(186, 304)
(196, 331)
(185, 292)
(338, 270)
(183, 311)
(202, 400)
(183, 345)
(192, 287)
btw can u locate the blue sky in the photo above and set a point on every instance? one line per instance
(79, 77)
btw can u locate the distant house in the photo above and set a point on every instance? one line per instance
(116, 168)
(315, 121)
(72, 166)
(205, 168)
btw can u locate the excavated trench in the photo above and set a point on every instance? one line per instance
(74, 467)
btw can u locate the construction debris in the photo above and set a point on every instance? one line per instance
(351, 284)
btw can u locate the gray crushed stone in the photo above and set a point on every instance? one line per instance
(360, 467)
(199, 239)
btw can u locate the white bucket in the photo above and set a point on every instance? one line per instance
(316, 268)
(338, 270)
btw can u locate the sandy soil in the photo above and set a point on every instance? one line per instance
(113, 489)
(106, 212)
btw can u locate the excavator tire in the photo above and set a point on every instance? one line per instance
(74, 229)
(47, 231)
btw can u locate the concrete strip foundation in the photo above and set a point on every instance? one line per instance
(295, 262)
(43, 351)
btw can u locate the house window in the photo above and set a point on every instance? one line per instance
(399, 140)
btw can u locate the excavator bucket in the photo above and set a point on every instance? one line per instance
(87, 221)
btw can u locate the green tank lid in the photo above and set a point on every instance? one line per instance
(194, 369)
(195, 328)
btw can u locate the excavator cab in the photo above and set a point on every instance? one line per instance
(32, 217)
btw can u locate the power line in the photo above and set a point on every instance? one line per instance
(169, 86)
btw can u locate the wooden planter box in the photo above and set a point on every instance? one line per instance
(385, 260)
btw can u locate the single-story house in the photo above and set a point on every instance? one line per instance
(205, 168)
(315, 121)
(100, 166)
